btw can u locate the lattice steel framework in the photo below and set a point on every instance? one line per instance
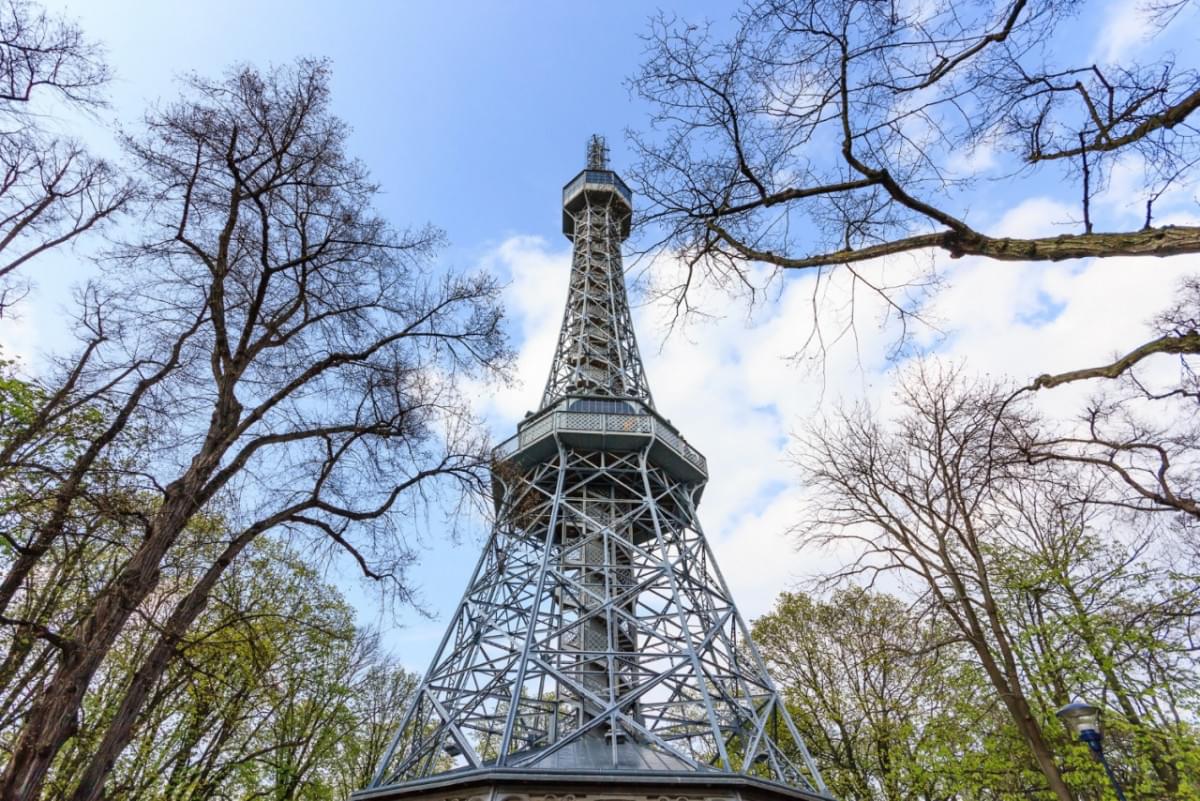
(597, 352)
(597, 633)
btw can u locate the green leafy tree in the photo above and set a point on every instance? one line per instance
(296, 359)
(274, 694)
(887, 698)
(1008, 553)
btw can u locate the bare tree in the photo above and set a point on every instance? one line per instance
(1015, 554)
(51, 189)
(1141, 425)
(822, 134)
(293, 357)
(920, 502)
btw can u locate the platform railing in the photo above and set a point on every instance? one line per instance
(601, 422)
(595, 177)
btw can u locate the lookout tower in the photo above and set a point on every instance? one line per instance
(597, 651)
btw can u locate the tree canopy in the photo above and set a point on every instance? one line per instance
(263, 360)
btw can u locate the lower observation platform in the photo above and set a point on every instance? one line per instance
(604, 424)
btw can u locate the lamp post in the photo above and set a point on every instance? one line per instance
(1084, 720)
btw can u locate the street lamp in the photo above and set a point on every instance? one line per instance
(1084, 720)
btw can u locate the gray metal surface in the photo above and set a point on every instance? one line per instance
(597, 632)
(597, 352)
(594, 754)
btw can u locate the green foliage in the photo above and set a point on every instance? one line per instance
(19, 400)
(893, 705)
(275, 694)
(882, 697)
(1104, 618)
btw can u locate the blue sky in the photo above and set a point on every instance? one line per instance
(473, 115)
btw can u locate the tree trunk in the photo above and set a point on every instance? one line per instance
(1005, 679)
(120, 730)
(52, 719)
(22, 565)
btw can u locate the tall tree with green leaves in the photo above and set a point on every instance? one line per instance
(296, 357)
(888, 699)
(268, 696)
(1006, 550)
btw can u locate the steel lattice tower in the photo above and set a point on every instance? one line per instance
(597, 638)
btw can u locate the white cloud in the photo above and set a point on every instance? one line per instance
(732, 389)
(19, 339)
(534, 300)
(1125, 29)
(972, 161)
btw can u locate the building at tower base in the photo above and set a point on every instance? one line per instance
(588, 785)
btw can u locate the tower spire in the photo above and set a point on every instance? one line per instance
(597, 352)
(597, 643)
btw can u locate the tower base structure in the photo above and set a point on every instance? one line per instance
(599, 785)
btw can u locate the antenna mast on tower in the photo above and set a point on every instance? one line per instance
(597, 153)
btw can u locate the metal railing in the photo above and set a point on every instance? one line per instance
(597, 422)
(598, 177)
